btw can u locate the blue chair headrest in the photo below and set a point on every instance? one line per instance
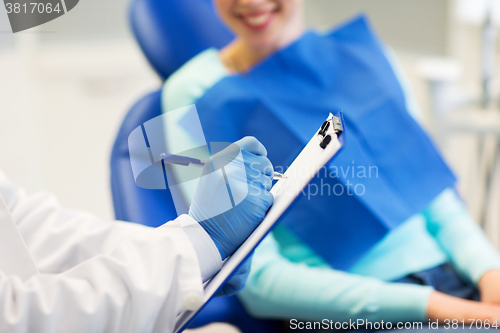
(170, 32)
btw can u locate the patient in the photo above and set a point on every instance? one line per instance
(395, 245)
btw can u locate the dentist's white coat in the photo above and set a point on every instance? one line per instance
(95, 276)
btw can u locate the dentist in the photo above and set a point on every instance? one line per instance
(67, 271)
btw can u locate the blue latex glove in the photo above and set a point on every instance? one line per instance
(237, 281)
(233, 195)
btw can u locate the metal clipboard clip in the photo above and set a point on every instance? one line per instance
(334, 123)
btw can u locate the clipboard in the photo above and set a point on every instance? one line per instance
(325, 143)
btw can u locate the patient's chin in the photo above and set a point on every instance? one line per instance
(265, 41)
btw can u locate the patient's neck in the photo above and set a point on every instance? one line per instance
(240, 57)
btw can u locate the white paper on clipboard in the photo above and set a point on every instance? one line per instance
(307, 164)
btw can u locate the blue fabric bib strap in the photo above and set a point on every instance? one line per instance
(388, 170)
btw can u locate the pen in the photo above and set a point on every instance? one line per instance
(186, 161)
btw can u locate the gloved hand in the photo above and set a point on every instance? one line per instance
(233, 195)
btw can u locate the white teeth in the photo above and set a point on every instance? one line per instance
(257, 20)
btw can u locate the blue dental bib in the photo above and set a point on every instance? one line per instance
(388, 170)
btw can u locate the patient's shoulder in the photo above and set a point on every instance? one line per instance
(192, 80)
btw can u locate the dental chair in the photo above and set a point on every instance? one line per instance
(170, 32)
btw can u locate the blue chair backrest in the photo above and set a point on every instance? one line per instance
(132, 203)
(170, 32)
(166, 34)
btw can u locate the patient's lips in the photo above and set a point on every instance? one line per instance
(257, 21)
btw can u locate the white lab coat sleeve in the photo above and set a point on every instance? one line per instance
(141, 286)
(208, 255)
(58, 238)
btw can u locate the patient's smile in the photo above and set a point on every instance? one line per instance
(258, 20)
